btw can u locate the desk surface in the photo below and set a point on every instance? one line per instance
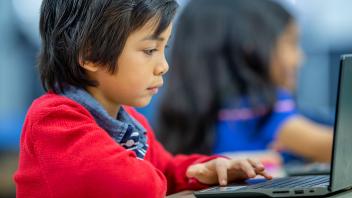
(189, 194)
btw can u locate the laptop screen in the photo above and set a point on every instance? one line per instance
(341, 173)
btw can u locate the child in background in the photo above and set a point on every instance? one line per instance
(230, 88)
(81, 139)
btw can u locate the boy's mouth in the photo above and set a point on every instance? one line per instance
(154, 89)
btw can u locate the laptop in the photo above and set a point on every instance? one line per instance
(340, 177)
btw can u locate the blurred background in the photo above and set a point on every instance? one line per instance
(326, 31)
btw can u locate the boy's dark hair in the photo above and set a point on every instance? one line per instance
(91, 30)
(221, 53)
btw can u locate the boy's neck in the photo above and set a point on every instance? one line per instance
(109, 106)
(112, 112)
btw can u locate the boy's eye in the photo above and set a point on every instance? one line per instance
(149, 52)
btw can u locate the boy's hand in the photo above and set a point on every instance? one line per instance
(222, 170)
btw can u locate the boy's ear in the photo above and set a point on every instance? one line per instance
(89, 66)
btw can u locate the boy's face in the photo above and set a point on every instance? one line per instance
(138, 77)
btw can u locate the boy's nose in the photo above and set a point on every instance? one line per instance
(162, 68)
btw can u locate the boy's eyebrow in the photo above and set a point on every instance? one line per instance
(153, 38)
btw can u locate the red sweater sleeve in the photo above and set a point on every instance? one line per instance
(64, 153)
(79, 159)
(173, 167)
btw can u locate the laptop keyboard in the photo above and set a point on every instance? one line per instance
(293, 182)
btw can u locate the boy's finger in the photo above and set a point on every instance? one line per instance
(221, 170)
(265, 174)
(247, 168)
(256, 164)
(259, 168)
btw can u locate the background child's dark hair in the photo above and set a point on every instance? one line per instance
(91, 30)
(222, 51)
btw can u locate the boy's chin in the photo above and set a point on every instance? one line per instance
(142, 103)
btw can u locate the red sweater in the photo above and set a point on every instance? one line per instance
(64, 153)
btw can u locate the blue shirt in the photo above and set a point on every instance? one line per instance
(240, 128)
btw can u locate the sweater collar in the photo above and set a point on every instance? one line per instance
(126, 131)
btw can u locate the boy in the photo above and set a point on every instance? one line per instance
(78, 139)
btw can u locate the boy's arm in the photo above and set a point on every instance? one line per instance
(174, 167)
(79, 159)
